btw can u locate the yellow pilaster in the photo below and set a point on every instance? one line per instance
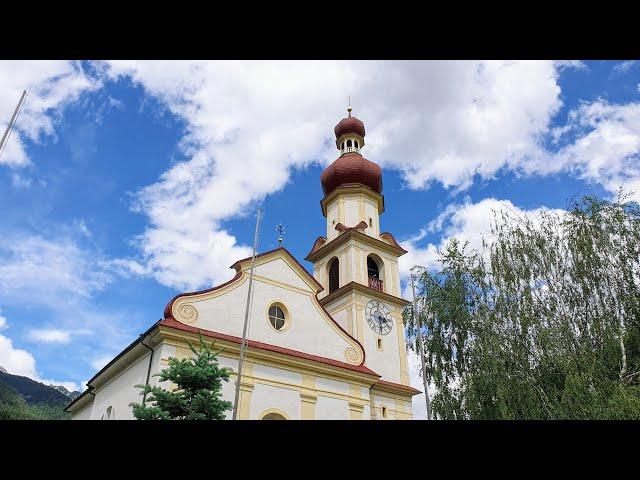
(402, 349)
(355, 411)
(400, 413)
(246, 391)
(308, 398)
(360, 322)
(356, 407)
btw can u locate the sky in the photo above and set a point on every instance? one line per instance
(125, 182)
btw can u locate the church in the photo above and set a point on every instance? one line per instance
(325, 346)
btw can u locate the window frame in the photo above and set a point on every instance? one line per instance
(287, 316)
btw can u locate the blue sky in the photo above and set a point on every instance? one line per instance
(125, 183)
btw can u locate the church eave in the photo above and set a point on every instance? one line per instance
(130, 348)
(397, 388)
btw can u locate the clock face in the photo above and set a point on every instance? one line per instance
(378, 317)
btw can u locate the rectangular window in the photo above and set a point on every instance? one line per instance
(384, 412)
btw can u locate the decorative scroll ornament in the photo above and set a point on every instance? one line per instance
(186, 313)
(353, 356)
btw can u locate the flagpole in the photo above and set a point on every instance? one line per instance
(243, 344)
(419, 340)
(5, 137)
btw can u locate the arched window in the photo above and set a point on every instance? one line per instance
(109, 414)
(375, 272)
(372, 268)
(348, 143)
(334, 275)
(273, 416)
(355, 142)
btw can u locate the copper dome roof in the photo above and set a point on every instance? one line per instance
(349, 125)
(351, 168)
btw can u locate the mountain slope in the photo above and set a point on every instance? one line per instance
(24, 399)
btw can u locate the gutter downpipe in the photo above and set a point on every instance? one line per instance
(142, 337)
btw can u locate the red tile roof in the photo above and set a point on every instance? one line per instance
(349, 125)
(351, 168)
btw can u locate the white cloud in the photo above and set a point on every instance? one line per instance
(465, 222)
(3, 322)
(20, 362)
(623, 67)
(247, 124)
(606, 147)
(48, 271)
(18, 181)
(70, 386)
(416, 381)
(49, 335)
(82, 228)
(15, 360)
(51, 86)
(100, 362)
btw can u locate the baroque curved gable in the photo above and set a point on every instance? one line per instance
(278, 278)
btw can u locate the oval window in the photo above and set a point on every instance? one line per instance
(277, 317)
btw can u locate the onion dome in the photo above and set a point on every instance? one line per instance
(351, 168)
(349, 125)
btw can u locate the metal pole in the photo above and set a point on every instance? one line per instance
(12, 121)
(419, 340)
(243, 344)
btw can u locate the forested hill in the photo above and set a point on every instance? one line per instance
(24, 399)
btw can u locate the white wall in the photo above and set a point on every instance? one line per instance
(387, 402)
(328, 408)
(120, 391)
(387, 361)
(84, 414)
(309, 330)
(265, 397)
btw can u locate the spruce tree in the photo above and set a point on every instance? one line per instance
(198, 391)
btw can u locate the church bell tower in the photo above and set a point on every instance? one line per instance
(355, 262)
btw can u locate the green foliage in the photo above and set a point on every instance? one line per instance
(198, 391)
(543, 323)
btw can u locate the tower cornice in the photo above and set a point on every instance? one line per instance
(352, 233)
(372, 292)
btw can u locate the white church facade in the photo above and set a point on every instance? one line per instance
(325, 346)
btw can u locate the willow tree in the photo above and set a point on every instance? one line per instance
(542, 323)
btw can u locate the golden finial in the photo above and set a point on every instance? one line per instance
(349, 107)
